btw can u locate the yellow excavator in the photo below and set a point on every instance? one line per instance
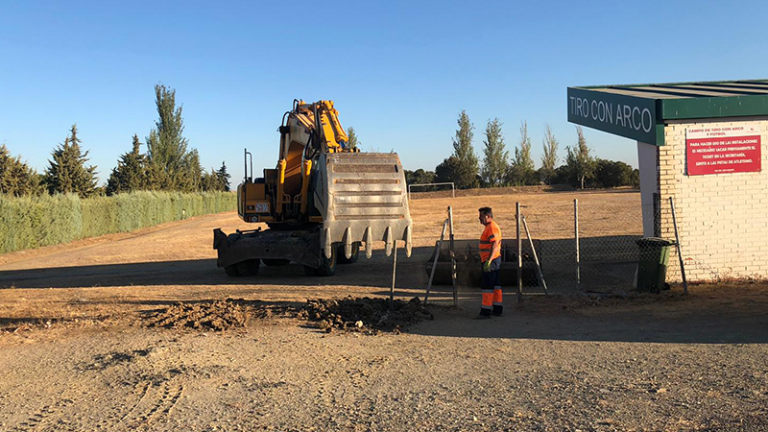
(322, 203)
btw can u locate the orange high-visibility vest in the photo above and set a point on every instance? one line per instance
(491, 234)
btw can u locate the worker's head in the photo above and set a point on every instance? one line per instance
(486, 215)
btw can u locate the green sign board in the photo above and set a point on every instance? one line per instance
(627, 116)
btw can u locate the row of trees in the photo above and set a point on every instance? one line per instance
(170, 165)
(167, 165)
(580, 168)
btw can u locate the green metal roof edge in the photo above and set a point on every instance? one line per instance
(751, 81)
(704, 106)
(714, 107)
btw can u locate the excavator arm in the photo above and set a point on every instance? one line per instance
(307, 131)
(322, 130)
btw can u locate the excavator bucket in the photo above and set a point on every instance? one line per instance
(468, 265)
(362, 199)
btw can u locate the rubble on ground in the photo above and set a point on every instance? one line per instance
(367, 315)
(218, 315)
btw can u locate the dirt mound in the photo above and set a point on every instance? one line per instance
(367, 315)
(218, 315)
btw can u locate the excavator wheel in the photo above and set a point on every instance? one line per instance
(342, 259)
(275, 262)
(232, 270)
(327, 265)
(248, 267)
(309, 271)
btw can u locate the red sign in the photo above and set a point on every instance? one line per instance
(720, 150)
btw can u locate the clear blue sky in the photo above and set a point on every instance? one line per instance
(399, 72)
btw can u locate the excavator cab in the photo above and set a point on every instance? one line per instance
(254, 200)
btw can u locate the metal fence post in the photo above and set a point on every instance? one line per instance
(394, 272)
(519, 258)
(539, 273)
(679, 250)
(576, 234)
(454, 276)
(438, 247)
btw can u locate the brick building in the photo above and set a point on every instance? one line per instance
(704, 145)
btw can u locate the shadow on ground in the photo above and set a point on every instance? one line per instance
(716, 316)
(375, 272)
(606, 261)
(709, 315)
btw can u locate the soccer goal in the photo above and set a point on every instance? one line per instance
(453, 187)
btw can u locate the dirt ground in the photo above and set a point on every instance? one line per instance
(97, 335)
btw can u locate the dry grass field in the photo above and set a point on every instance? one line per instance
(75, 356)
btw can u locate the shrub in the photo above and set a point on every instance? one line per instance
(34, 221)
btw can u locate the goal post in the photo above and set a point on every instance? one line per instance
(453, 187)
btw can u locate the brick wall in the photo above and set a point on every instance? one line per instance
(722, 218)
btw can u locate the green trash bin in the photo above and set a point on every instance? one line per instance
(653, 263)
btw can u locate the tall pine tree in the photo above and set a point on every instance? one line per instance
(67, 172)
(495, 163)
(581, 166)
(462, 167)
(195, 170)
(131, 171)
(224, 177)
(549, 159)
(353, 142)
(210, 181)
(522, 170)
(16, 178)
(173, 167)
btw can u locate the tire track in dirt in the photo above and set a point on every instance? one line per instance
(145, 390)
(46, 415)
(114, 420)
(158, 400)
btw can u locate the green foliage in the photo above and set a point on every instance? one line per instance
(521, 171)
(549, 159)
(495, 163)
(613, 174)
(447, 169)
(16, 178)
(353, 142)
(131, 173)
(210, 181)
(563, 176)
(35, 221)
(464, 166)
(67, 172)
(580, 165)
(580, 168)
(195, 171)
(420, 177)
(172, 166)
(223, 177)
(216, 180)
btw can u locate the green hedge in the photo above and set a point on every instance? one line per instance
(30, 222)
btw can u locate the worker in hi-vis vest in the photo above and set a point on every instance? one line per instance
(490, 256)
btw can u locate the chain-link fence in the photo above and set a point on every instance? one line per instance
(591, 245)
(569, 246)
